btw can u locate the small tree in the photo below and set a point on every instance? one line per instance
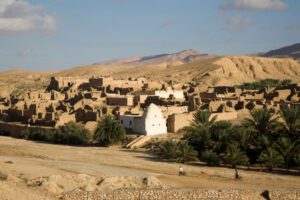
(270, 158)
(186, 153)
(109, 131)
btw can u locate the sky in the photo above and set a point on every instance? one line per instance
(60, 34)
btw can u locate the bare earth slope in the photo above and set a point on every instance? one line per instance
(239, 69)
(18, 81)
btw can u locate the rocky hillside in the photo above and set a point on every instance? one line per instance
(292, 51)
(240, 69)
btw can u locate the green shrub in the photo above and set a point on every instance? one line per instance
(46, 135)
(168, 150)
(186, 153)
(270, 158)
(24, 134)
(265, 83)
(72, 133)
(210, 157)
(235, 156)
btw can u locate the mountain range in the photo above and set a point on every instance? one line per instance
(292, 51)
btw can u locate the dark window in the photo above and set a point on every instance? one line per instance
(121, 121)
(130, 122)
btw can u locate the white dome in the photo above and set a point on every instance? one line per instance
(153, 111)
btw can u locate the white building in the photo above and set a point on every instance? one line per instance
(151, 122)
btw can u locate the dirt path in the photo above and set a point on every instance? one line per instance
(31, 159)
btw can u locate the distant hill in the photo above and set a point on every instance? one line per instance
(292, 51)
(161, 59)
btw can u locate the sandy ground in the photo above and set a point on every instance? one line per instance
(32, 159)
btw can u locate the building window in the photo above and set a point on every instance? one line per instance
(130, 122)
(121, 121)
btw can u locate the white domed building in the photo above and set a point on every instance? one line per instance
(151, 122)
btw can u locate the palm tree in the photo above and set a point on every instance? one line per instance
(270, 158)
(291, 118)
(222, 135)
(287, 148)
(243, 137)
(262, 121)
(109, 131)
(168, 150)
(186, 153)
(198, 133)
(235, 157)
(202, 119)
(263, 126)
(263, 142)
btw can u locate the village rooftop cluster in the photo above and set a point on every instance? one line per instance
(141, 106)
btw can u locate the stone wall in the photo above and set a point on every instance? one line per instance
(182, 195)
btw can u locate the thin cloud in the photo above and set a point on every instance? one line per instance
(21, 16)
(255, 5)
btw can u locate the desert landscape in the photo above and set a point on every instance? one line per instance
(149, 100)
(74, 168)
